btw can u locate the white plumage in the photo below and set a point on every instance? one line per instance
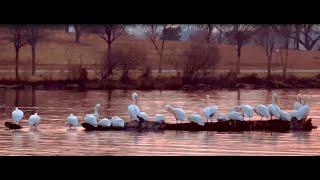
(234, 115)
(262, 111)
(159, 118)
(208, 111)
(284, 116)
(222, 117)
(247, 111)
(178, 113)
(117, 122)
(72, 120)
(297, 105)
(91, 119)
(34, 120)
(196, 118)
(105, 122)
(133, 109)
(96, 112)
(17, 115)
(144, 116)
(273, 108)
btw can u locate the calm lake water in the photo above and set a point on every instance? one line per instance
(54, 138)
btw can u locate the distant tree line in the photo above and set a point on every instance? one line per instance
(203, 46)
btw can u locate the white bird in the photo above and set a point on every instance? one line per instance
(159, 118)
(247, 111)
(105, 122)
(284, 116)
(144, 116)
(222, 117)
(178, 113)
(134, 110)
(196, 118)
(17, 116)
(34, 120)
(91, 119)
(72, 121)
(262, 111)
(273, 108)
(234, 115)
(297, 105)
(304, 111)
(117, 122)
(208, 111)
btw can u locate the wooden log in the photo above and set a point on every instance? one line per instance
(11, 125)
(231, 125)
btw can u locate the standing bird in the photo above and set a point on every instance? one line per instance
(91, 119)
(34, 120)
(134, 110)
(117, 122)
(234, 115)
(105, 122)
(273, 108)
(208, 111)
(72, 121)
(196, 118)
(262, 111)
(159, 118)
(304, 111)
(178, 113)
(17, 116)
(222, 117)
(247, 111)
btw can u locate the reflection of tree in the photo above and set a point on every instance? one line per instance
(238, 97)
(16, 103)
(33, 101)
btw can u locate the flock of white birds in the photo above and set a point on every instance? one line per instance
(300, 111)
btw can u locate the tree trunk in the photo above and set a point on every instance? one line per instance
(66, 28)
(33, 49)
(219, 40)
(269, 68)
(284, 74)
(160, 58)
(238, 62)
(77, 37)
(17, 64)
(109, 60)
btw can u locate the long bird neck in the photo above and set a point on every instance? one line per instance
(135, 101)
(274, 99)
(206, 102)
(306, 101)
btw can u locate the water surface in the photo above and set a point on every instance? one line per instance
(54, 138)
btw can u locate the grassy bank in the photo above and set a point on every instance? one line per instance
(226, 81)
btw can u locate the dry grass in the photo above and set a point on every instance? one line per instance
(55, 48)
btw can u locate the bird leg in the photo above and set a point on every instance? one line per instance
(271, 117)
(70, 126)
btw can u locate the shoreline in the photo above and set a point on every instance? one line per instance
(228, 81)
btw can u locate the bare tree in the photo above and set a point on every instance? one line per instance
(196, 62)
(207, 29)
(283, 37)
(238, 35)
(129, 58)
(32, 35)
(78, 31)
(310, 35)
(152, 32)
(18, 38)
(266, 38)
(219, 37)
(109, 34)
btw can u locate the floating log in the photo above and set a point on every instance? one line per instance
(231, 125)
(11, 125)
